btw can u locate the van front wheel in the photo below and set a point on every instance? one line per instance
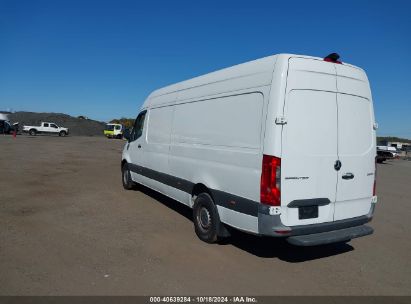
(128, 183)
(206, 219)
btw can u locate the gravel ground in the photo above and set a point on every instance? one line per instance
(69, 228)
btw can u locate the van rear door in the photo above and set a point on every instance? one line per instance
(309, 143)
(356, 143)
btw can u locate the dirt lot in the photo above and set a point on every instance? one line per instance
(68, 227)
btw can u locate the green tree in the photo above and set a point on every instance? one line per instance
(127, 122)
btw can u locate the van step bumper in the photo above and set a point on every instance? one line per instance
(334, 236)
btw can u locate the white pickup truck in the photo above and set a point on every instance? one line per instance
(46, 128)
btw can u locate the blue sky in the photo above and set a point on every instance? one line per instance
(102, 58)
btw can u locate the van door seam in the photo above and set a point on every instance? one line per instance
(338, 138)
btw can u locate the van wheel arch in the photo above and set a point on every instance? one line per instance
(198, 189)
(123, 162)
(222, 231)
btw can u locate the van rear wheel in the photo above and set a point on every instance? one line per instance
(205, 218)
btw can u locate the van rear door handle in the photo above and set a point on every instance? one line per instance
(348, 175)
(139, 146)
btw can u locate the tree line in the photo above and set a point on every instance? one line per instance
(393, 138)
(127, 122)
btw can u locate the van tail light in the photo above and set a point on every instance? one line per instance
(375, 179)
(270, 186)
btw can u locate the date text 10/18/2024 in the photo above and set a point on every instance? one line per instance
(201, 299)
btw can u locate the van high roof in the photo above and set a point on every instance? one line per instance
(262, 66)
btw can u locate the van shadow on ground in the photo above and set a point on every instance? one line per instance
(263, 247)
(385, 163)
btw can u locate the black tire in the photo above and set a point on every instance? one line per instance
(33, 132)
(128, 183)
(205, 218)
(62, 133)
(119, 136)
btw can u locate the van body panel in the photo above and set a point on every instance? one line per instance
(345, 209)
(309, 139)
(207, 129)
(247, 75)
(159, 123)
(275, 107)
(221, 146)
(167, 190)
(352, 80)
(311, 74)
(356, 145)
(307, 163)
(137, 155)
(238, 220)
(247, 81)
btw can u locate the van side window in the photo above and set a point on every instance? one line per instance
(46, 125)
(138, 126)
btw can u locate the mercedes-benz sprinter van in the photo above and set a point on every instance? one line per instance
(283, 146)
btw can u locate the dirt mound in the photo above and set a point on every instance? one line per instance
(77, 126)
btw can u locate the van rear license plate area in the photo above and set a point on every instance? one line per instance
(307, 212)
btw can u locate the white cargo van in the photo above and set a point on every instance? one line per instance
(283, 146)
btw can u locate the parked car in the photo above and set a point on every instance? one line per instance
(3, 126)
(383, 155)
(228, 145)
(6, 127)
(113, 130)
(393, 151)
(46, 128)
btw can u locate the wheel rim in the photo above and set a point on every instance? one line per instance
(204, 218)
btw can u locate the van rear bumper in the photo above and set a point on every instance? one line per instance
(334, 236)
(270, 225)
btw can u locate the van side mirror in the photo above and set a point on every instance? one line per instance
(126, 134)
